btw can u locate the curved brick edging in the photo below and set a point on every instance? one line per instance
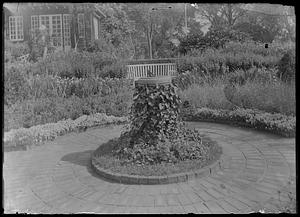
(241, 124)
(156, 180)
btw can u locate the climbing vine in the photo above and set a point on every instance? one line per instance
(156, 134)
(154, 113)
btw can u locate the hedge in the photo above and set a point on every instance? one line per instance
(275, 123)
(25, 137)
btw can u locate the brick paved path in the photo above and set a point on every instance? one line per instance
(57, 178)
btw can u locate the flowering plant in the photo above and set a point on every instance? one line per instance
(276, 123)
(40, 133)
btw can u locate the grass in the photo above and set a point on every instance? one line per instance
(105, 158)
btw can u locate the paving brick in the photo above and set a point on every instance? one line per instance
(172, 200)
(206, 184)
(160, 200)
(96, 196)
(120, 189)
(142, 210)
(184, 187)
(237, 204)
(177, 209)
(109, 199)
(201, 208)
(189, 209)
(204, 195)
(194, 197)
(174, 188)
(43, 170)
(146, 200)
(164, 210)
(214, 193)
(214, 207)
(184, 199)
(227, 206)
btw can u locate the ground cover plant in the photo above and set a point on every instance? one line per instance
(36, 135)
(163, 152)
(156, 137)
(276, 123)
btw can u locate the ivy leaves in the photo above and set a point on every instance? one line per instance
(154, 112)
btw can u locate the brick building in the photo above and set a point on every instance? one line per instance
(68, 24)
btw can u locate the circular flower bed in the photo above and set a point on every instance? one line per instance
(156, 143)
(186, 154)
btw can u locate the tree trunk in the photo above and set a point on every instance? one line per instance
(149, 39)
(149, 46)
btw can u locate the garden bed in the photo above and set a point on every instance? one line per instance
(22, 138)
(108, 164)
(274, 123)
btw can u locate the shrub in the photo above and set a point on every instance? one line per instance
(50, 107)
(194, 147)
(215, 38)
(287, 67)
(37, 134)
(186, 79)
(115, 70)
(274, 49)
(214, 62)
(15, 82)
(253, 89)
(276, 123)
(206, 95)
(262, 75)
(80, 65)
(270, 97)
(15, 49)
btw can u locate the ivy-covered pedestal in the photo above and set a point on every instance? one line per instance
(154, 113)
(156, 147)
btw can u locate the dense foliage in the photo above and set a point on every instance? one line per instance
(50, 99)
(276, 123)
(252, 90)
(215, 38)
(80, 65)
(155, 133)
(38, 134)
(287, 67)
(154, 113)
(14, 50)
(108, 161)
(190, 146)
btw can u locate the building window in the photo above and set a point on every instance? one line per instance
(67, 29)
(53, 23)
(96, 27)
(34, 23)
(81, 26)
(16, 28)
(56, 30)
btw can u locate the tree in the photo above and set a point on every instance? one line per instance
(219, 15)
(232, 14)
(141, 15)
(116, 30)
(265, 22)
(157, 26)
